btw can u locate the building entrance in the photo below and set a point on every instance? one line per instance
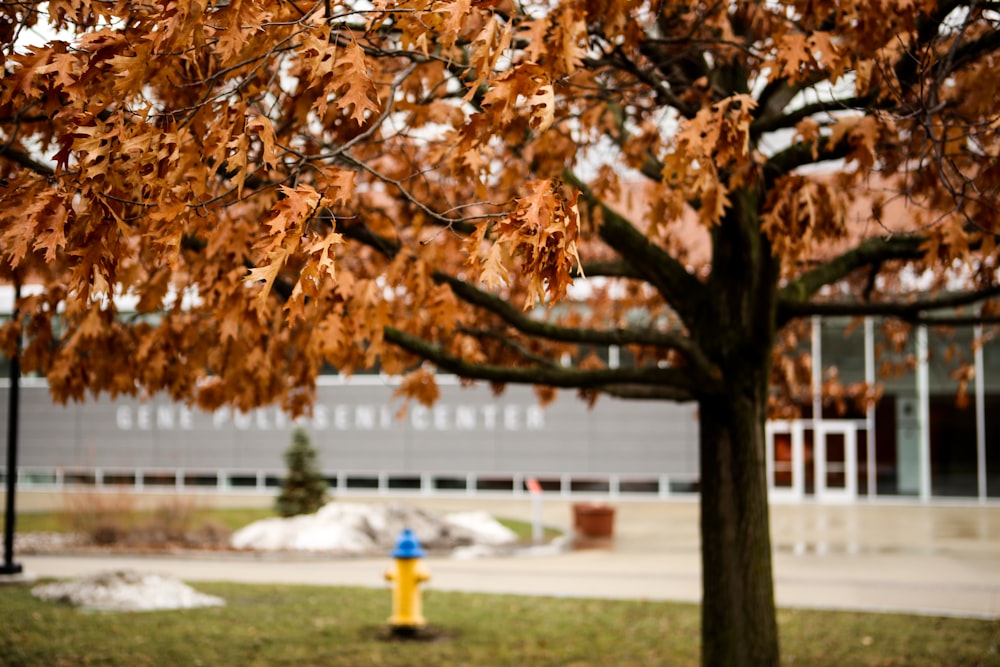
(807, 459)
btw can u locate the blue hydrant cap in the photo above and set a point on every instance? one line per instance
(408, 546)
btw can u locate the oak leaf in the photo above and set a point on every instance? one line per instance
(420, 385)
(355, 91)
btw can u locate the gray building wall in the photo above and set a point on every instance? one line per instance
(357, 426)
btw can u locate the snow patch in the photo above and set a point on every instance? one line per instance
(126, 590)
(371, 529)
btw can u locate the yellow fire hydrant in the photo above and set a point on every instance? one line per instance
(407, 615)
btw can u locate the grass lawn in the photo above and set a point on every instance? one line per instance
(60, 522)
(333, 627)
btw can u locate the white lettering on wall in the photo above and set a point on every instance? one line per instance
(160, 417)
(363, 417)
(165, 417)
(342, 417)
(490, 417)
(535, 418)
(123, 418)
(242, 420)
(185, 418)
(512, 418)
(320, 418)
(420, 418)
(143, 417)
(465, 418)
(441, 422)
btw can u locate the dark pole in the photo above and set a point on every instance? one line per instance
(9, 566)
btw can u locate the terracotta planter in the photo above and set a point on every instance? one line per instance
(593, 519)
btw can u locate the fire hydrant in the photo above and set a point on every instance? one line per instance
(407, 615)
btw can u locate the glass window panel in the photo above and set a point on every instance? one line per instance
(842, 344)
(952, 413)
(782, 474)
(835, 461)
(991, 380)
(895, 357)
(953, 448)
(993, 446)
(948, 352)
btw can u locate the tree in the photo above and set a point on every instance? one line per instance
(278, 185)
(304, 489)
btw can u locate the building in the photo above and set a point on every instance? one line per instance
(918, 442)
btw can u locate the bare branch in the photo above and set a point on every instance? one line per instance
(607, 269)
(533, 327)
(677, 380)
(26, 161)
(914, 310)
(869, 252)
(800, 154)
(770, 123)
(663, 271)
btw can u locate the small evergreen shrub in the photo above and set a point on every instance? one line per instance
(304, 489)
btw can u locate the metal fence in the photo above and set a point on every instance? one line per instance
(345, 483)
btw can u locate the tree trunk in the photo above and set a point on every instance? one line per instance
(739, 626)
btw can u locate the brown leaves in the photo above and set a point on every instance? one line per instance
(297, 180)
(799, 56)
(487, 48)
(542, 233)
(419, 385)
(863, 135)
(355, 92)
(338, 74)
(523, 89)
(32, 220)
(718, 137)
(802, 214)
(288, 233)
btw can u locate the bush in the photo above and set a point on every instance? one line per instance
(304, 489)
(102, 518)
(114, 519)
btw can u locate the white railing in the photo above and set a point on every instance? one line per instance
(186, 480)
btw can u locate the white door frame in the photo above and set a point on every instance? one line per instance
(849, 491)
(797, 491)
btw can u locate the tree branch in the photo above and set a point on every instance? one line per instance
(911, 311)
(26, 161)
(871, 251)
(966, 53)
(673, 380)
(647, 393)
(907, 67)
(607, 269)
(678, 287)
(800, 154)
(770, 123)
(532, 327)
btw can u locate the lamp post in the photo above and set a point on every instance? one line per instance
(9, 566)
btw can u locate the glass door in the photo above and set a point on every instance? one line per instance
(785, 470)
(835, 446)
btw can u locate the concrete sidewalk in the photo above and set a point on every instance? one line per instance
(942, 560)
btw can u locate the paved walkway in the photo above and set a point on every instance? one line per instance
(913, 558)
